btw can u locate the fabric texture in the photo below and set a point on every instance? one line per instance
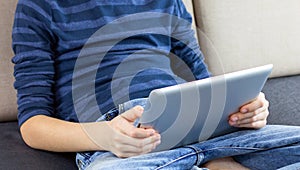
(15, 154)
(236, 34)
(284, 95)
(49, 39)
(8, 104)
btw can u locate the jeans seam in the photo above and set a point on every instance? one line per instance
(174, 160)
(236, 147)
(229, 147)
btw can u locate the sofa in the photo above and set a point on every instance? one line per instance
(233, 35)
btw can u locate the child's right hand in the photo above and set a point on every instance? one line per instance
(125, 140)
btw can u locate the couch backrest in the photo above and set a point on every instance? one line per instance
(237, 34)
(8, 107)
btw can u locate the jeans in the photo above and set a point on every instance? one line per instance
(271, 147)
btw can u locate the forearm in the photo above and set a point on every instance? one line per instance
(118, 136)
(46, 133)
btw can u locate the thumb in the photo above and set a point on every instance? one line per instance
(134, 113)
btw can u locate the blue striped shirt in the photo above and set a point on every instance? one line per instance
(117, 50)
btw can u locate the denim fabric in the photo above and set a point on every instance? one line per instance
(295, 166)
(271, 147)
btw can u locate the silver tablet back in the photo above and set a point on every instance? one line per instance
(199, 110)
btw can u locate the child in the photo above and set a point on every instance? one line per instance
(49, 37)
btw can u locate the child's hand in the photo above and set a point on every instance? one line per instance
(252, 115)
(126, 140)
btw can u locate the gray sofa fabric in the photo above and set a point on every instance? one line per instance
(284, 96)
(15, 154)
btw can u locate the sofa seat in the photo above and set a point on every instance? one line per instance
(283, 94)
(15, 154)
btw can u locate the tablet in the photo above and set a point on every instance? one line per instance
(199, 110)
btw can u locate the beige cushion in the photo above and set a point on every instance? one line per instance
(8, 107)
(237, 34)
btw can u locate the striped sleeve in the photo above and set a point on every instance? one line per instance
(34, 69)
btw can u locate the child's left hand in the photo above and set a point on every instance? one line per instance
(252, 115)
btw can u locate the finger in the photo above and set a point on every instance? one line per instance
(260, 117)
(124, 124)
(137, 142)
(138, 132)
(132, 151)
(129, 129)
(132, 114)
(140, 143)
(241, 116)
(128, 144)
(129, 151)
(258, 121)
(257, 117)
(255, 125)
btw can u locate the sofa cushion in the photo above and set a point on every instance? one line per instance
(8, 107)
(237, 34)
(284, 96)
(16, 155)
